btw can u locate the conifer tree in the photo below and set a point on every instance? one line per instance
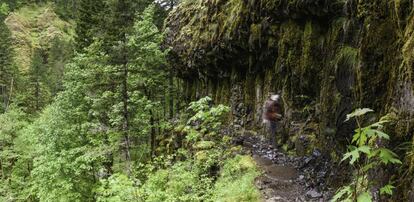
(37, 94)
(87, 22)
(59, 54)
(8, 71)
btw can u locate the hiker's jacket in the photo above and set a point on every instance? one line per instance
(272, 111)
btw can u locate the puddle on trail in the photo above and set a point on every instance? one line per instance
(276, 172)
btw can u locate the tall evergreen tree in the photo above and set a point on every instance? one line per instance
(87, 22)
(119, 24)
(8, 71)
(59, 54)
(37, 95)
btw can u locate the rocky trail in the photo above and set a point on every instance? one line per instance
(287, 178)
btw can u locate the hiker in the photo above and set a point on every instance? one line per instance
(272, 114)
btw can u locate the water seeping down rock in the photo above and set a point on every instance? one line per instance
(326, 58)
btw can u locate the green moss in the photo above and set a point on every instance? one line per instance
(347, 56)
(203, 145)
(255, 34)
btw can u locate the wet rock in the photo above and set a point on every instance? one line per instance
(275, 199)
(307, 160)
(301, 177)
(316, 153)
(300, 199)
(237, 126)
(321, 174)
(313, 194)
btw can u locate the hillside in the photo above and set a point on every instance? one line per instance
(36, 26)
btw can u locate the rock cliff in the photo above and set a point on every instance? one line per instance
(326, 58)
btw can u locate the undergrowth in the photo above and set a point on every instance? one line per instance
(203, 169)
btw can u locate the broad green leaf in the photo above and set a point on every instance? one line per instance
(347, 190)
(387, 189)
(356, 136)
(387, 156)
(368, 167)
(381, 134)
(358, 112)
(362, 139)
(364, 197)
(354, 155)
(370, 132)
(395, 161)
(378, 124)
(373, 153)
(4, 8)
(365, 149)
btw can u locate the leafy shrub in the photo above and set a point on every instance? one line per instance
(181, 182)
(236, 181)
(366, 154)
(117, 188)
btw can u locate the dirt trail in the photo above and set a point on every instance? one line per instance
(286, 178)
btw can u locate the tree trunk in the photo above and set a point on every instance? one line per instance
(171, 94)
(125, 127)
(10, 94)
(152, 138)
(37, 94)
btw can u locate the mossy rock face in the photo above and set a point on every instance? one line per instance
(326, 58)
(203, 33)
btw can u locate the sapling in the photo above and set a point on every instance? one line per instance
(365, 154)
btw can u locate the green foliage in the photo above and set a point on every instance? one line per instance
(192, 179)
(36, 55)
(187, 181)
(208, 118)
(38, 94)
(66, 160)
(366, 154)
(117, 188)
(13, 167)
(59, 55)
(364, 197)
(236, 181)
(147, 59)
(182, 182)
(74, 150)
(87, 22)
(345, 194)
(387, 189)
(4, 9)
